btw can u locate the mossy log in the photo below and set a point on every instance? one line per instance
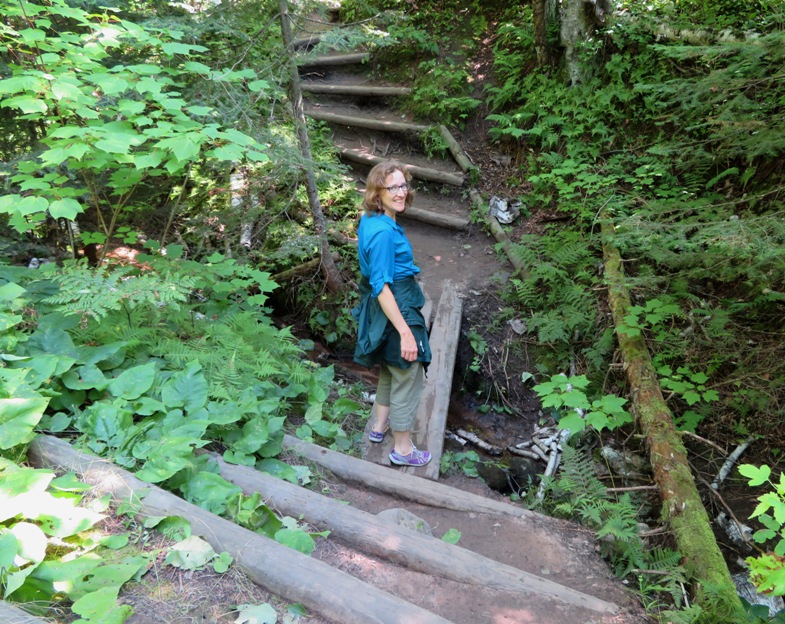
(312, 266)
(682, 507)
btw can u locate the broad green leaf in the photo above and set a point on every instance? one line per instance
(573, 422)
(210, 491)
(187, 388)
(297, 539)
(44, 367)
(222, 562)
(25, 103)
(85, 377)
(100, 607)
(108, 422)
(256, 614)
(31, 204)
(258, 85)
(196, 67)
(69, 482)
(279, 469)
(8, 548)
(63, 518)
(192, 553)
(66, 208)
(11, 291)
(164, 457)
(133, 382)
(254, 434)
(89, 573)
(18, 418)
(230, 152)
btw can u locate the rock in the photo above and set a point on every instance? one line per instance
(523, 472)
(406, 519)
(495, 476)
(748, 591)
(739, 535)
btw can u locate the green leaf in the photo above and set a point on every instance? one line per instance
(192, 553)
(279, 469)
(133, 382)
(756, 476)
(66, 208)
(256, 614)
(210, 491)
(297, 539)
(573, 422)
(222, 562)
(25, 103)
(452, 536)
(100, 607)
(85, 377)
(18, 418)
(187, 388)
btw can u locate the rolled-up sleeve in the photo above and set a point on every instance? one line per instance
(381, 248)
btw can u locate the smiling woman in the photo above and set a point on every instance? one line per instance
(391, 327)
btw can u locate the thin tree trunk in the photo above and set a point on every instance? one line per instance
(329, 270)
(682, 507)
(540, 11)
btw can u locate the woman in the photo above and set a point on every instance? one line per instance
(391, 328)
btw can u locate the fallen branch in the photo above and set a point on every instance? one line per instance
(478, 442)
(498, 233)
(523, 453)
(301, 269)
(457, 151)
(682, 506)
(728, 465)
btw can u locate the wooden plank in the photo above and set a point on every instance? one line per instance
(281, 570)
(360, 90)
(431, 418)
(335, 59)
(421, 173)
(11, 614)
(414, 550)
(369, 123)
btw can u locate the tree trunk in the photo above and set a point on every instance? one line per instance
(540, 11)
(330, 272)
(682, 507)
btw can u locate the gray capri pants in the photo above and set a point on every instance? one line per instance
(400, 389)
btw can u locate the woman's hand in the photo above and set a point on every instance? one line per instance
(408, 346)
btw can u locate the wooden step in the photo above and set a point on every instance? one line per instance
(414, 550)
(282, 570)
(358, 90)
(449, 222)
(331, 60)
(421, 173)
(431, 419)
(369, 123)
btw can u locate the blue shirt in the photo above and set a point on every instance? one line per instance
(384, 251)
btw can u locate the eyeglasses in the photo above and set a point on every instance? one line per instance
(396, 187)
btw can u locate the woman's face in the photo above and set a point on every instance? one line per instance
(394, 202)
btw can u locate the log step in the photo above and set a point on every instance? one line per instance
(391, 542)
(421, 173)
(431, 419)
(11, 614)
(355, 58)
(449, 222)
(284, 571)
(366, 122)
(360, 90)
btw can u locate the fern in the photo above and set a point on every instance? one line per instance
(96, 292)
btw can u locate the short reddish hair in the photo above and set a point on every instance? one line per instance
(374, 185)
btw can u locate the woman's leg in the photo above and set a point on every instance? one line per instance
(405, 394)
(382, 401)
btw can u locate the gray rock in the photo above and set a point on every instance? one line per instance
(406, 519)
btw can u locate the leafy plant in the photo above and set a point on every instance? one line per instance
(767, 570)
(465, 461)
(576, 412)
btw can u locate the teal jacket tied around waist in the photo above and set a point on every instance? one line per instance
(377, 339)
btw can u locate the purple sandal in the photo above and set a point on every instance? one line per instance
(415, 458)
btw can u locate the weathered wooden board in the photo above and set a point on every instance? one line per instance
(11, 614)
(414, 550)
(281, 570)
(448, 222)
(432, 415)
